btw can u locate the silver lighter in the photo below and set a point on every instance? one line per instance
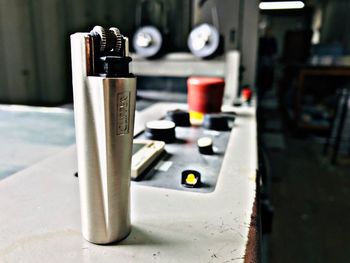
(104, 107)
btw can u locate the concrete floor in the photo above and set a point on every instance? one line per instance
(312, 205)
(30, 134)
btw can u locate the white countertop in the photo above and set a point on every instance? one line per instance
(40, 217)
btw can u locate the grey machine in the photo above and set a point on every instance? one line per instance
(104, 106)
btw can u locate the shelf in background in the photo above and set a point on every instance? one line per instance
(178, 65)
(317, 126)
(313, 127)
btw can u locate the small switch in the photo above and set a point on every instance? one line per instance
(191, 179)
(205, 145)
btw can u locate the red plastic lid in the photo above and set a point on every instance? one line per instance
(205, 81)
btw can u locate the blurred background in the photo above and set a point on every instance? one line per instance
(296, 60)
(35, 48)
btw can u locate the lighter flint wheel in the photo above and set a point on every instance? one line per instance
(118, 38)
(102, 33)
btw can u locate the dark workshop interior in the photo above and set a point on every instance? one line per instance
(234, 116)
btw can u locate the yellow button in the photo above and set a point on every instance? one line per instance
(196, 118)
(191, 179)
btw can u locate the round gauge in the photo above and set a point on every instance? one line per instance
(203, 40)
(147, 41)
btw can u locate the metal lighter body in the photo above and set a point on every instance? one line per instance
(104, 121)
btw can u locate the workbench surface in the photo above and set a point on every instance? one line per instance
(40, 214)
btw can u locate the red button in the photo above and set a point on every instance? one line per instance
(205, 94)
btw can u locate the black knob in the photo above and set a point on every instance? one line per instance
(205, 145)
(216, 122)
(161, 130)
(179, 117)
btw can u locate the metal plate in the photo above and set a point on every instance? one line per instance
(184, 155)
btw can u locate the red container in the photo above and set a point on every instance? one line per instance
(204, 95)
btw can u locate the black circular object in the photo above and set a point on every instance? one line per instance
(205, 145)
(148, 41)
(204, 40)
(237, 103)
(161, 130)
(215, 122)
(179, 117)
